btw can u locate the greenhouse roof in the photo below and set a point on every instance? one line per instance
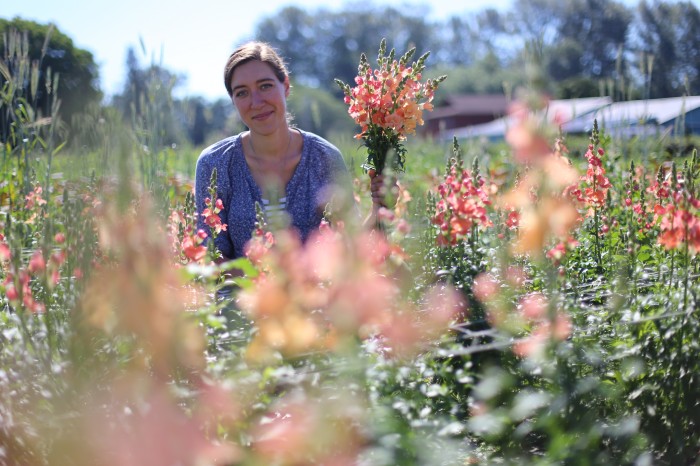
(635, 113)
(577, 115)
(564, 110)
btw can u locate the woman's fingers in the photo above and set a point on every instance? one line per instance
(376, 183)
(381, 188)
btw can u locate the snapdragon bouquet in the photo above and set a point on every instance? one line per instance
(388, 104)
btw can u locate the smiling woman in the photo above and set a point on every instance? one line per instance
(287, 172)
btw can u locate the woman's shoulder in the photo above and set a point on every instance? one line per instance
(220, 150)
(319, 146)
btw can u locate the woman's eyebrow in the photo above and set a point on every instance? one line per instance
(256, 82)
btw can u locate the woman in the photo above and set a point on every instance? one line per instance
(287, 171)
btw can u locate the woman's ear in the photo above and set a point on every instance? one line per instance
(287, 86)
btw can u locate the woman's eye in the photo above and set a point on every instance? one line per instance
(265, 86)
(240, 94)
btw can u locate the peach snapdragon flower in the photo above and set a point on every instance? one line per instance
(391, 97)
(388, 103)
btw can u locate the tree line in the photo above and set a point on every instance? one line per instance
(578, 48)
(652, 50)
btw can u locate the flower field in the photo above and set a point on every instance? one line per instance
(528, 302)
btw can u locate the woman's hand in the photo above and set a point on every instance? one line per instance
(384, 190)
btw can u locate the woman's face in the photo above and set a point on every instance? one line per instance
(259, 97)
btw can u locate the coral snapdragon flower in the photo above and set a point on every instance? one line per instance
(211, 215)
(679, 226)
(461, 205)
(594, 185)
(192, 246)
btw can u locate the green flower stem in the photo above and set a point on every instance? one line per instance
(686, 254)
(596, 239)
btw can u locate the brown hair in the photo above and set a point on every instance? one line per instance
(250, 51)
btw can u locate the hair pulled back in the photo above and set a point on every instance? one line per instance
(255, 50)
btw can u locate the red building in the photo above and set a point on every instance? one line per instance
(463, 110)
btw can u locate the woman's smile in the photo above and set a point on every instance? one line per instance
(260, 97)
(262, 116)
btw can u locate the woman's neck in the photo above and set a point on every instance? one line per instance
(273, 146)
(273, 168)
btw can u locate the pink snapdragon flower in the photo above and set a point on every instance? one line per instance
(211, 216)
(594, 185)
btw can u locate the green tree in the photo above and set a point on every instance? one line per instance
(292, 31)
(580, 41)
(463, 41)
(455, 39)
(668, 44)
(361, 32)
(571, 49)
(486, 76)
(323, 45)
(129, 101)
(204, 122)
(533, 22)
(53, 53)
(319, 111)
(597, 30)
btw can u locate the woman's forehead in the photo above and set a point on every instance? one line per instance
(252, 70)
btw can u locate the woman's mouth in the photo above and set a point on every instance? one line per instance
(262, 116)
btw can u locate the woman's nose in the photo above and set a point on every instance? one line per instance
(256, 98)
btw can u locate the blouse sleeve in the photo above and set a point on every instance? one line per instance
(341, 180)
(340, 173)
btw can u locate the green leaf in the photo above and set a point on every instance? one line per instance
(243, 264)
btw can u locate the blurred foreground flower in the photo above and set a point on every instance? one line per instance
(153, 430)
(311, 430)
(544, 327)
(545, 213)
(136, 391)
(138, 292)
(334, 289)
(531, 133)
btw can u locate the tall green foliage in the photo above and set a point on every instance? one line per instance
(59, 63)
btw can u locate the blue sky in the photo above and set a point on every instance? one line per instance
(193, 38)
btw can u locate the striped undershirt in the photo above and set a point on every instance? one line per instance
(274, 213)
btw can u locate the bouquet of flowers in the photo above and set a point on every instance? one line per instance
(388, 104)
